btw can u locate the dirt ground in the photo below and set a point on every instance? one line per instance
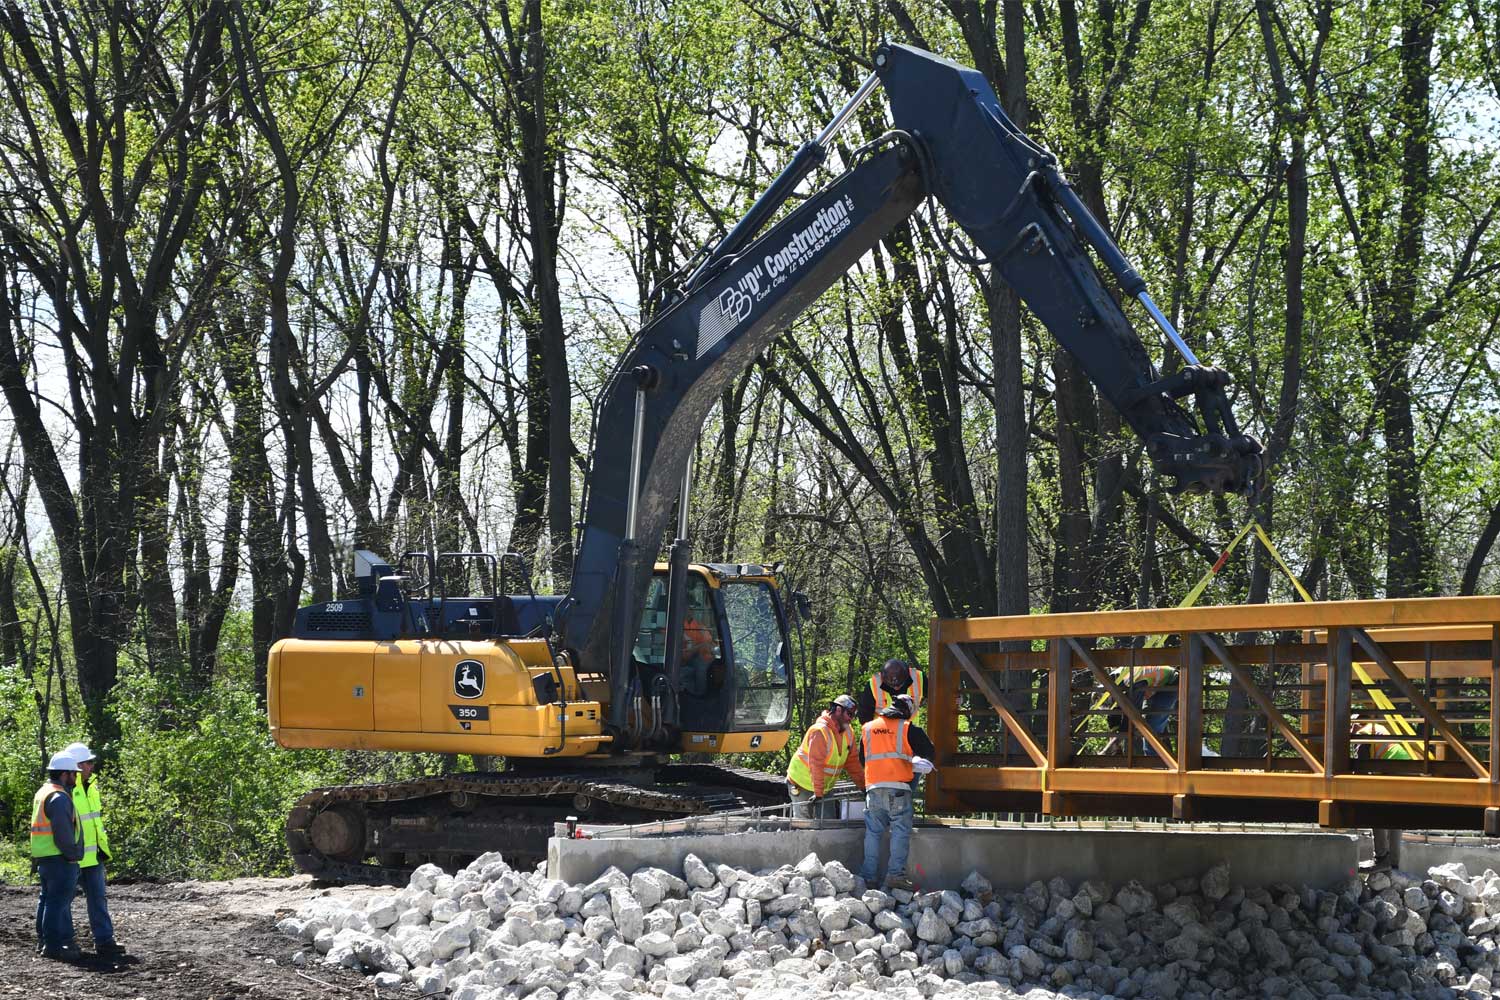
(188, 940)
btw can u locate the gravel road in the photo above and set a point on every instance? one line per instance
(188, 940)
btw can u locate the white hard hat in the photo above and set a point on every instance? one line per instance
(63, 760)
(80, 751)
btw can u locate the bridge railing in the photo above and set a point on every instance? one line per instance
(1356, 713)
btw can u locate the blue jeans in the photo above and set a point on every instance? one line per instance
(1159, 709)
(54, 910)
(92, 881)
(887, 809)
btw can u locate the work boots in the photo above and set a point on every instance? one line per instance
(110, 949)
(899, 882)
(62, 953)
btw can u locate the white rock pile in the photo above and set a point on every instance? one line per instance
(713, 932)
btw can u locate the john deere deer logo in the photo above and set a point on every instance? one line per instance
(468, 679)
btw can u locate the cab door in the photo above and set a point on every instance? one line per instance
(759, 655)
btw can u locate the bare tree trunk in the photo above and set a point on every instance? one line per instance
(1409, 557)
(1012, 594)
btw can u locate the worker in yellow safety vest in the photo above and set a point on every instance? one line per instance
(895, 750)
(56, 848)
(894, 678)
(1377, 745)
(87, 803)
(825, 752)
(1153, 690)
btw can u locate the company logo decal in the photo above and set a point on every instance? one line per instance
(734, 304)
(468, 679)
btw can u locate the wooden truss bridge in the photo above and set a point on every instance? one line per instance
(1284, 712)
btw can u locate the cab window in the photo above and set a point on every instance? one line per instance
(761, 668)
(700, 629)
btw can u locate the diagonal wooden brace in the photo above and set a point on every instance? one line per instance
(1124, 701)
(1420, 703)
(996, 699)
(1272, 713)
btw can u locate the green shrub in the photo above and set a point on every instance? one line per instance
(198, 789)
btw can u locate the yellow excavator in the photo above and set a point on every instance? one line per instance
(587, 697)
(404, 666)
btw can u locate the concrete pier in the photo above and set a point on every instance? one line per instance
(1421, 851)
(1009, 856)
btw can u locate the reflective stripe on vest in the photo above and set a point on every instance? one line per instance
(1154, 676)
(88, 817)
(1382, 749)
(799, 771)
(97, 807)
(43, 844)
(890, 766)
(883, 698)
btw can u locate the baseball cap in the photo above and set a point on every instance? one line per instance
(846, 703)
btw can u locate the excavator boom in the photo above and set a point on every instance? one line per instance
(952, 142)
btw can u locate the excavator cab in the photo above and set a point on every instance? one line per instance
(734, 685)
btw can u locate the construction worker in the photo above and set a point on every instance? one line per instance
(698, 645)
(895, 677)
(894, 750)
(56, 849)
(1153, 690)
(827, 749)
(86, 803)
(1377, 745)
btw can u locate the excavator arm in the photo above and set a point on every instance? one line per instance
(953, 142)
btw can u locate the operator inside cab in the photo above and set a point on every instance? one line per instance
(702, 670)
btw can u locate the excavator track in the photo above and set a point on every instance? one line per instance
(333, 832)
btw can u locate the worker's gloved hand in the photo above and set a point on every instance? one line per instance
(921, 765)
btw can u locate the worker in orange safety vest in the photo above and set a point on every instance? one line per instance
(699, 648)
(894, 751)
(56, 849)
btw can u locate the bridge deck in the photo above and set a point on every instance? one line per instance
(1268, 697)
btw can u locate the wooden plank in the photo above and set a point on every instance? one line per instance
(942, 701)
(1413, 611)
(1060, 705)
(1336, 703)
(1015, 724)
(1449, 658)
(1123, 701)
(1494, 706)
(1190, 706)
(1420, 703)
(1272, 713)
(1415, 790)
